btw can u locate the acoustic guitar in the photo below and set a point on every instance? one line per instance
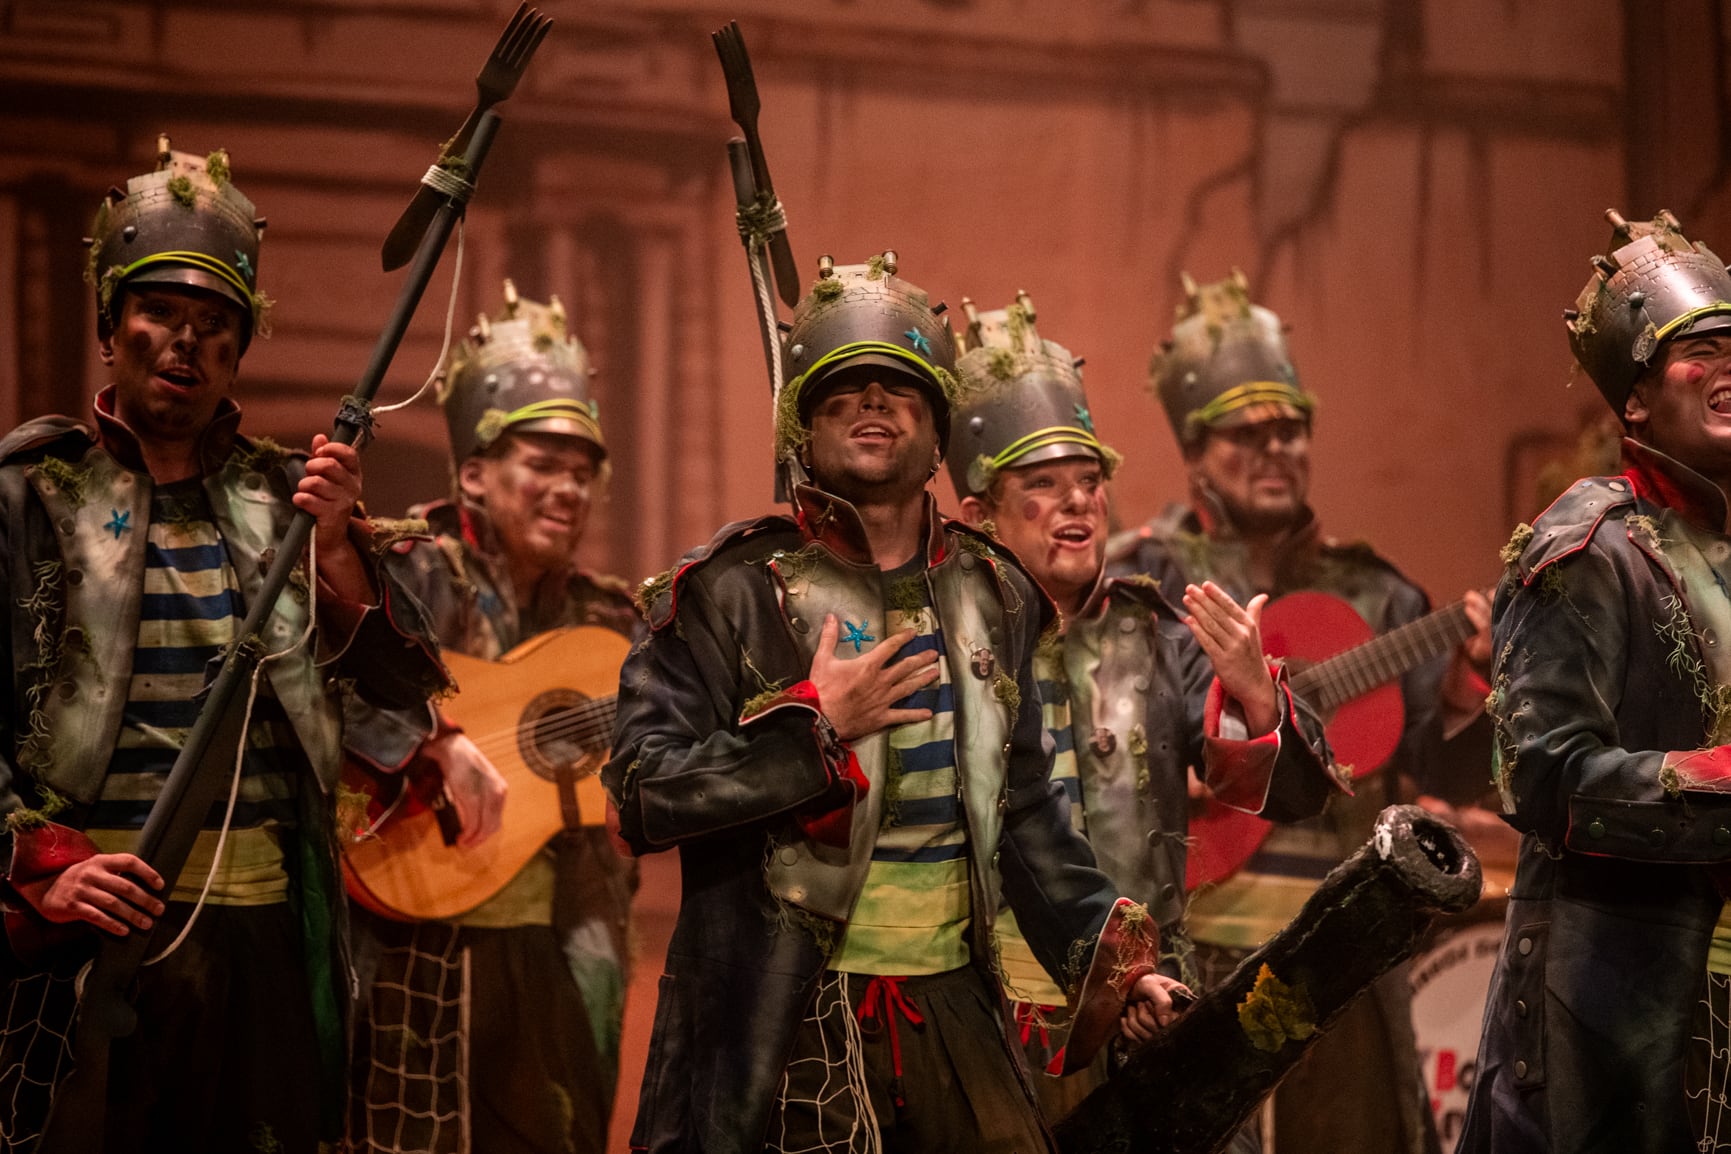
(1347, 674)
(545, 707)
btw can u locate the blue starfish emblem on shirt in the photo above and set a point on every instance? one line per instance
(919, 341)
(857, 634)
(243, 264)
(1084, 418)
(117, 523)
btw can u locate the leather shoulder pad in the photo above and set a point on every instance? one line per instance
(658, 597)
(1567, 526)
(73, 438)
(1011, 571)
(1143, 590)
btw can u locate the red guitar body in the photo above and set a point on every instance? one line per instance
(1304, 628)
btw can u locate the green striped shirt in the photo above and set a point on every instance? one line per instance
(914, 910)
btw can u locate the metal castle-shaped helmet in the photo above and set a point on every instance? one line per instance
(520, 371)
(184, 223)
(863, 314)
(1654, 285)
(1021, 401)
(1225, 363)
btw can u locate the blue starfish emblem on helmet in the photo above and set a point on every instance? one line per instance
(243, 264)
(919, 341)
(857, 634)
(117, 522)
(1084, 418)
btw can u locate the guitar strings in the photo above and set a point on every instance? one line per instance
(584, 723)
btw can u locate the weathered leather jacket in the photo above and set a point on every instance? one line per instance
(1145, 707)
(722, 750)
(1608, 699)
(73, 582)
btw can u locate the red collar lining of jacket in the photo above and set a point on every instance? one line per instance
(1666, 481)
(836, 525)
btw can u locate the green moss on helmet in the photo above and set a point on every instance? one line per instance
(180, 187)
(1001, 363)
(216, 167)
(105, 287)
(828, 288)
(98, 230)
(875, 268)
(261, 309)
(791, 434)
(949, 386)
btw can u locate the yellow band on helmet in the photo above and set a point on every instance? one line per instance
(858, 348)
(196, 260)
(1677, 323)
(495, 421)
(1247, 394)
(1055, 435)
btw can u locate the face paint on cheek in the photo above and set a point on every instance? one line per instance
(1694, 373)
(1030, 510)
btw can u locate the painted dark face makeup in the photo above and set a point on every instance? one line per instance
(173, 354)
(537, 493)
(1260, 472)
(872, 436)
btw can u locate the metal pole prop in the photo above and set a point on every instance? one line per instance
(201, 772)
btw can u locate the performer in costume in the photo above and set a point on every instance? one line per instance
(543, 962)
(1128, 692)
(1611, 720)
(835, 722)
(1243, 422)
(131, 546)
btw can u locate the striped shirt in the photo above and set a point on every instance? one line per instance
(1025, 980)
(913, 913)
(191, 608)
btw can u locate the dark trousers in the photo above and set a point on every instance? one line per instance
(534, 1080)
(225, 1056)
(958, 1086)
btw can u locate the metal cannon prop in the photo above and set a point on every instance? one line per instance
(1190, 1090)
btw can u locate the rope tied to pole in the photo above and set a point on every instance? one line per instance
(760, 220)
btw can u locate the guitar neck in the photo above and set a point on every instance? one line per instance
(1332, 683)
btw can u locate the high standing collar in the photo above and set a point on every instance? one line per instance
(215, 443)
(836, 525)
(1664, 480)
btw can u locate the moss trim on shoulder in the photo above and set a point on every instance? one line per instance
(48, 805)
(67, 477)
(1516, 544)
(262, 456)
(652, 589)
(389, 532)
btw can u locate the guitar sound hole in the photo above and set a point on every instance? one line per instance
(549, 737)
